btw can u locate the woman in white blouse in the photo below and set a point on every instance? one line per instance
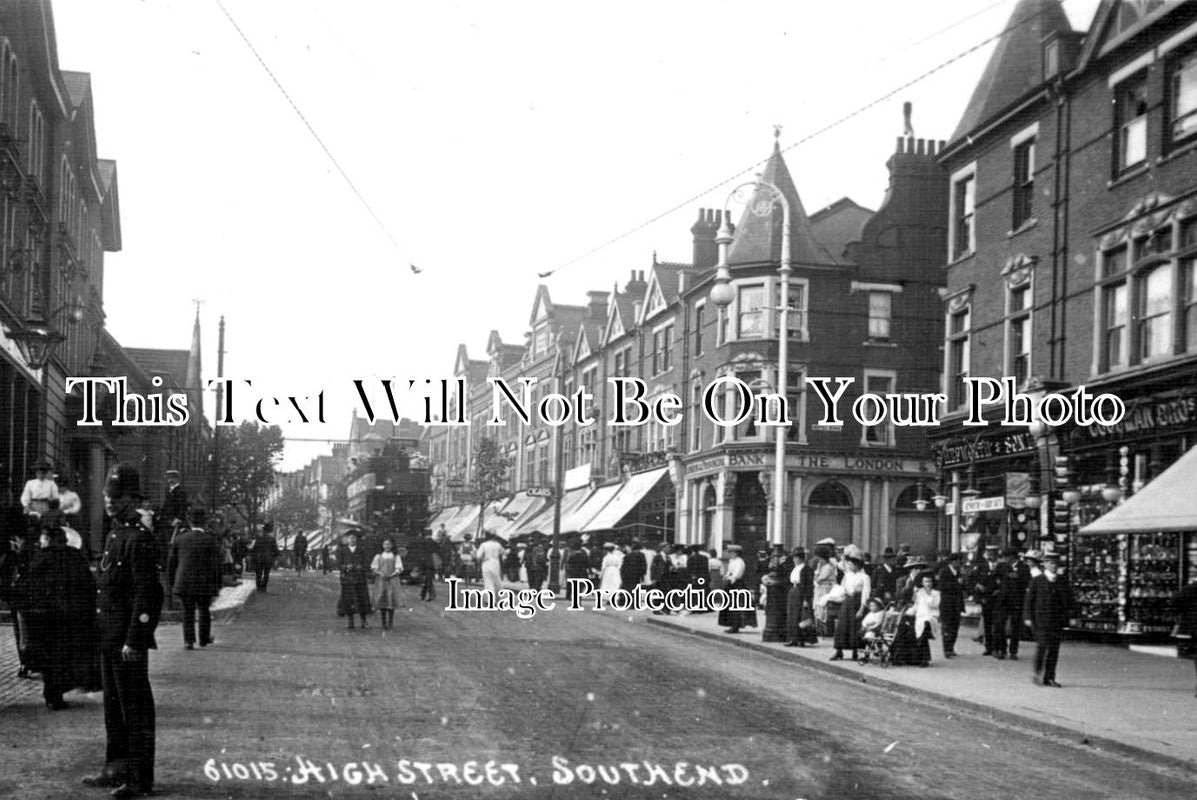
(609, 579)
(926, 618)
(857, 589)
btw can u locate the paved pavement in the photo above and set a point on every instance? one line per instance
(1133, 699)
(288, 703)
(15, 690)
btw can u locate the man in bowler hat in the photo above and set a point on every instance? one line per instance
(1047, 610)
(130, 600)
(194, 570)
(951, 602)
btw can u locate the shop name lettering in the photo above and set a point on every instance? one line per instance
(1166, 414)
(726, 401)
(407, 772)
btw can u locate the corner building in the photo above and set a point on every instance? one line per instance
(865, 294)
(1072, 260)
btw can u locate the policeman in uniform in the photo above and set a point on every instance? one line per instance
(130, 599)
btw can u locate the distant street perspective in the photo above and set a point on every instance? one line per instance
(770, 400)
(288, 702)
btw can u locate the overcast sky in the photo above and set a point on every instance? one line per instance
(493, 141)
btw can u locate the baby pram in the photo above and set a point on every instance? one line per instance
(879, 644)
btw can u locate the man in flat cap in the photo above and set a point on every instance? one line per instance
(130, 601)
(1047, 610)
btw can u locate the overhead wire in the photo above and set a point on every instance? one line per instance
(311, 129)
(814, 134)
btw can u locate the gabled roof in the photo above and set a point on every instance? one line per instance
(111, 208)
(664, 281)
(758, 238)
(172, 363)
(1116, 22)
(839, 224)
(1016, 66)
(620, 315)
(78, 85)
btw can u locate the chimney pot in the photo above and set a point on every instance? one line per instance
(922, 143)
(900, 146)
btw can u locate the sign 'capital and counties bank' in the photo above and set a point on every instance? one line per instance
(820, 462)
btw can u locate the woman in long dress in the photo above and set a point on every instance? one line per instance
(490, 561)
(64, 644)
(857, 589)
(355, 572)
(609, 578)
(734, 577)
(824, 579)
(800, 619)
(905, 650)
(384, 591)
(926, 618)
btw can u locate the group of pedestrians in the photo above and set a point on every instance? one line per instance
(834, 595)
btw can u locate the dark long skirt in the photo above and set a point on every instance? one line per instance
(910, 650)
(800, 620)
(737, 619)
(847, 626)
(355, 599)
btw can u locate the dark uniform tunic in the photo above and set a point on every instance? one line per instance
(130, 600)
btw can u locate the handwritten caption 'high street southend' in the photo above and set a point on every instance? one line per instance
(407, 772)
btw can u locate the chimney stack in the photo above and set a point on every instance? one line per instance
(636, 285)
(706, 252)
(597, 307)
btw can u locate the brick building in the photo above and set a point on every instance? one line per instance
(1072, 241)
(865, 287)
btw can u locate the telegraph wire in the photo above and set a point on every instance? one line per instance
(814, 134)
(311, 129)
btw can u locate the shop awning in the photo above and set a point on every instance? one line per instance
(587, 511)
(465, 522)
(522, 508)
(492, 520)
(316, 540)
(443, 518)
(635, 489)
(1165, 504)
(542, 521)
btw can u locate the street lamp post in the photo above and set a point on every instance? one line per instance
(722, 296)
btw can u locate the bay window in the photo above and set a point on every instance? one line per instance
(751, 324)
(1155, 299)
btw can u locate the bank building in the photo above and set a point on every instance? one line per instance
(863, 303)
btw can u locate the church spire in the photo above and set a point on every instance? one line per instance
(193, 384)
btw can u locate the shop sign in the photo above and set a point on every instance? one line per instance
(360, 486)
(746, 459)
(1150, 415)
(1018, 486)
(708, 464)
(964, 451)
(978, 505)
